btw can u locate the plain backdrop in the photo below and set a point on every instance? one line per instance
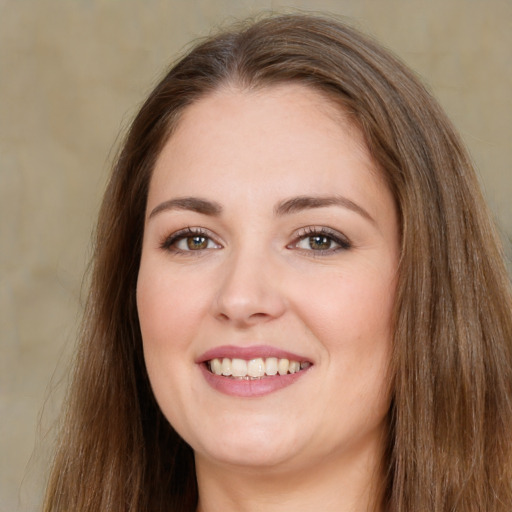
(72, 74)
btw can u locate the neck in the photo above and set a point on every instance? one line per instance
(327, 485)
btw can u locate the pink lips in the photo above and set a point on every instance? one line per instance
(248, 388)
(247, 353)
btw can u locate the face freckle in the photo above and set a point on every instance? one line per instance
(270, 237)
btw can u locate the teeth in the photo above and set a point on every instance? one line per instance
(255, 368)
(294, 367)
(238, 367)
(282, 366)
(216, 366)
(271, 366)
(226, 367)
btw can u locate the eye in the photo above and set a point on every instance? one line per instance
(190, 240)
(320, 240)
(194, 243)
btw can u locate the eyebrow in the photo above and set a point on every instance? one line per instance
(287, 207)
(194, 204)
(296, 204)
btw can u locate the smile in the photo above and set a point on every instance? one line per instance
(252, 371)
(257, 368)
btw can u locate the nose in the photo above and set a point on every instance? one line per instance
(249, 292)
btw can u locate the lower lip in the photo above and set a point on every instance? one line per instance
(250, 388)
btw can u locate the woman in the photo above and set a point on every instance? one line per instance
(296, 270)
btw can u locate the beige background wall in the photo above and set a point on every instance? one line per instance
(72, 74)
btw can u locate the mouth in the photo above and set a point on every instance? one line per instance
(251, 371)
(256, 368)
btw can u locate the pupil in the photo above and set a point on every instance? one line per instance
(320, 242)
(197, 242)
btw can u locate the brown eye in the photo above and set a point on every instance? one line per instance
(190, 240)
(320, 243)
(321, 240)
(196, 243)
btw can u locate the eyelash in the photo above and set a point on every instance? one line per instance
(342, 242)
(170, 243)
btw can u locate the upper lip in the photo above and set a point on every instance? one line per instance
(247, 353)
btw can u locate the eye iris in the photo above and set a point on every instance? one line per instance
(319, 242)
(195, 243)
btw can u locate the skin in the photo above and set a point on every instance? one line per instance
(258, 278)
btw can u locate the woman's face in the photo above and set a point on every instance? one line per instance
(267, 281)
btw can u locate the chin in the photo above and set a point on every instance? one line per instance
(243, 456)
(255, 445)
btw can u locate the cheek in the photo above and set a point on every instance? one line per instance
(348, 309)
(168, 318)
(350, 317)
(352, 321)
(168, 308)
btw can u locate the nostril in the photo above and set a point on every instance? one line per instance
(243, 320)
(259, 315)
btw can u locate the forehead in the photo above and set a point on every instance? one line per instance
(269, 107)
(287, 136)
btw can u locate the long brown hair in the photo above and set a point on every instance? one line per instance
(450, 422)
